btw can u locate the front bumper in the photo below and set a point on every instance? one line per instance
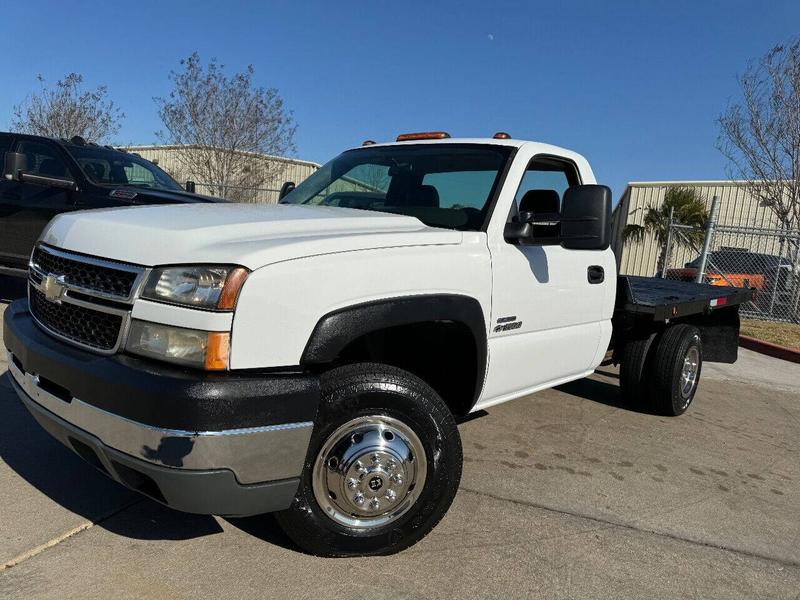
(213, 444)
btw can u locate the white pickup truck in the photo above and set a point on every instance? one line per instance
(313, 358)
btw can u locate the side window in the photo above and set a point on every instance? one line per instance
(43, 159)
(5, 143)
(542, 190)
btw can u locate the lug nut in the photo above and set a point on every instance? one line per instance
(358, 499)
(374, 504)
(352, 483)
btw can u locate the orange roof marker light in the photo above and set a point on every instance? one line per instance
(368, 143)
(423, 135)
(502, 135)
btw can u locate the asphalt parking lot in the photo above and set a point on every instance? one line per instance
(564, 494)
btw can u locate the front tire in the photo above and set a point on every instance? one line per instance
(383, 465)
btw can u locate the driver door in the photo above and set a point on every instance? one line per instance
(546, 310)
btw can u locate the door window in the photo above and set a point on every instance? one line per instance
(541, 192)
(43, 159)
(5, 142)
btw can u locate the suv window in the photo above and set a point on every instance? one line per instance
(43, 159)
(5, 142)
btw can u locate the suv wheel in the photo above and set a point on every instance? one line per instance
(383, 465)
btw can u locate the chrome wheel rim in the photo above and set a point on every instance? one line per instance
(369, 472)
(691, 366)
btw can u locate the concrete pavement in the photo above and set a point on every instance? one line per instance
(564, 494)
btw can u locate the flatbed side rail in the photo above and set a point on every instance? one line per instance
(664, 299)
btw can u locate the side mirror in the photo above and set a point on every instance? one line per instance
(286, 188)
(515, 231)
(190, 187)
(14, 164)
(586, 217)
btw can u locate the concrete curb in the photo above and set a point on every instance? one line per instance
(790, 354)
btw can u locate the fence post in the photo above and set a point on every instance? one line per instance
(668, 247)
(712, 223)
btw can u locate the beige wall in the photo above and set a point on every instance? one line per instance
(735, 208)
(290, 170)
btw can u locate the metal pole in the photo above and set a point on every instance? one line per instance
(712, 222)
(668, 247)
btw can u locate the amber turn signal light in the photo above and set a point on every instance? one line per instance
(218, 351)
(230, 291)
(423, 135)
(501, 135)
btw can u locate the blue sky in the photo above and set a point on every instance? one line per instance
(635, 86)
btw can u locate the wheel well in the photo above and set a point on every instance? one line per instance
(441, 353)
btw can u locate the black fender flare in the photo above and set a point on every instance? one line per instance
(334, 331)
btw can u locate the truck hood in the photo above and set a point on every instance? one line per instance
(250, 235)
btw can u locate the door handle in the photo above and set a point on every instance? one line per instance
(596, 274)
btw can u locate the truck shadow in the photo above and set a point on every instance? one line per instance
(265, 528)
(601, 392)
(11, 288)
(76, 486)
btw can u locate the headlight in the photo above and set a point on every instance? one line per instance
(207, 350)
(210, 287)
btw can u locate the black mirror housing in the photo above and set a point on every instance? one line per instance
(190, 187)
(516, 231)
(14, 164)
(286, 188)
(586, 217)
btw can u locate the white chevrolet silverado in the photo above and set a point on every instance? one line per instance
(313, 358)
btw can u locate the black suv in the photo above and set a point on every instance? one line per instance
(43, 177)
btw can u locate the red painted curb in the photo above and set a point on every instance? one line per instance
(790, 354)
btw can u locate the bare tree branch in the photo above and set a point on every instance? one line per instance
(226, 125)
(760, 135)
(67, 110)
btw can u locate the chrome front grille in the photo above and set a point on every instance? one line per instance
(86, 273)
(81, 299)
(85, 326)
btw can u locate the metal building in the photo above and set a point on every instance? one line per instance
(735, 205)
(281, 169)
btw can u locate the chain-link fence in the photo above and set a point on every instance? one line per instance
(767, 260)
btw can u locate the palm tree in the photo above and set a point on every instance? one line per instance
(688, 209)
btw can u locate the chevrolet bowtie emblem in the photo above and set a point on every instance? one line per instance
(53, 287)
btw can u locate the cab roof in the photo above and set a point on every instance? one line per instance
(535, 147)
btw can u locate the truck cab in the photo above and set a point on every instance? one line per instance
(313, 358)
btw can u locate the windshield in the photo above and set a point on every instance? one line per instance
(111, 167)
(443, 185)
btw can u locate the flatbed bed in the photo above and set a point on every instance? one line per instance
(664, 299)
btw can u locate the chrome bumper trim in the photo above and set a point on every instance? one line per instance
(255, 455)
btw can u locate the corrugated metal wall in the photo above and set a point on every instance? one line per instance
(288, 169)
(736, 208)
